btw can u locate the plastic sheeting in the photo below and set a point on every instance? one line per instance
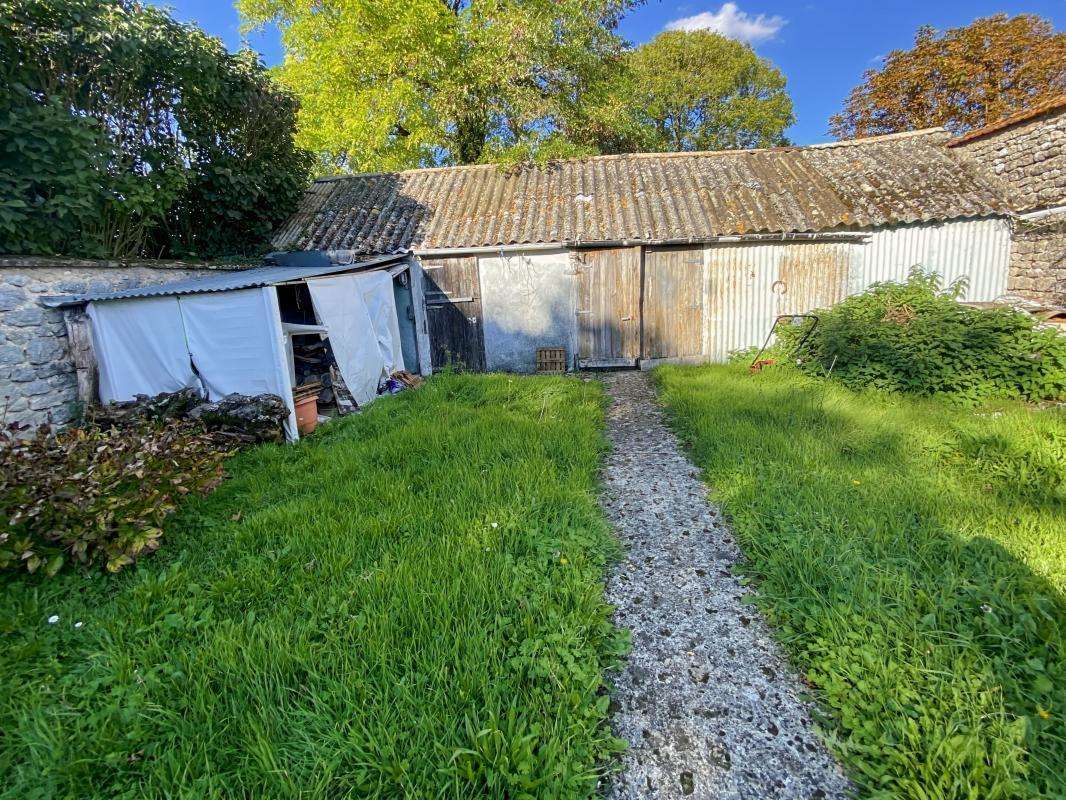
(360, 312)
(140, 348)
(380, 299)
(237, 345)
(222, 342)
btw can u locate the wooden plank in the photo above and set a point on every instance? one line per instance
(608, 312)
(453, 310)
(673, 302)
(82, 353)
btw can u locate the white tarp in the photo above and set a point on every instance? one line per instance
(237, 345)
(380, 300)
(150, 345)
(360, 312)
(140, 348)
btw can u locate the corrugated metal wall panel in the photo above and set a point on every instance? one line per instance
(978, 250)
(740, 303)
(745, 285)
(748, 286)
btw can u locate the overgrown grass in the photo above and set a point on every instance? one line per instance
(912, 557)
(407, 604)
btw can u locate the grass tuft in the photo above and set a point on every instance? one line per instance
(912, 557)
(407, 604)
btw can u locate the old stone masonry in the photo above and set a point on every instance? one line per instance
(707, 703)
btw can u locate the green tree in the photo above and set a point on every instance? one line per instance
(388, 84)
(685, 90)
(124, 133)
(962, 78)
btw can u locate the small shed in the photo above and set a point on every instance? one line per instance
(249, 332)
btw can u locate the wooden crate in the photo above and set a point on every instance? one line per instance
(551, 360)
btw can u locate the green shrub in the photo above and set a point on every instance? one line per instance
(98, 495)
(916, 337)
(124, 133)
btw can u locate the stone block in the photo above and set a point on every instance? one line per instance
(43, 402)
(15, 405)
(10, 299)
(11, 354)
(17, 280)
(36, 388)
(21, 373)
(41, 351)
(24, 317)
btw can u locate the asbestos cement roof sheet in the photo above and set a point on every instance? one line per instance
(865, 183)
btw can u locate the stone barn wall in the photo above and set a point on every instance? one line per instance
(1027, 153)
(37, 376)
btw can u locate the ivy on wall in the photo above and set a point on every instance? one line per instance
(124, 134)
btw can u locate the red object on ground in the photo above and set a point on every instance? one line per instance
(306, 414)
(758, 365)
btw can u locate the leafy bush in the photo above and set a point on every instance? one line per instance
(98, 494)
(916, 337)
(124, 133)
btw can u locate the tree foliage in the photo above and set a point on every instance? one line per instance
(962, 78)
(686, 90)
(124, 133)
(387, 84)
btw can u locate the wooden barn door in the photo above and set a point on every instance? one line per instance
(673, 302)
(608, 307)
(453, 310)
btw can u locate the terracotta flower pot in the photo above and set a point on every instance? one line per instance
(306, 414)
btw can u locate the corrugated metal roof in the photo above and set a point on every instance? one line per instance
(863, 183)
(222, 282)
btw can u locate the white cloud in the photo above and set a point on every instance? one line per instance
(730, 21)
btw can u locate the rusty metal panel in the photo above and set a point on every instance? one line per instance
(608, 306)
(741, 304)
(812, 276)
(673, 302)
(453, 311)
(977, 250)
(647, 197)
(748, 286)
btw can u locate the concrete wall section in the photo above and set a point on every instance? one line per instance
(528, 301)
(37, 378)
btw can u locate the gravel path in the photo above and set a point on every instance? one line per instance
(707, 703)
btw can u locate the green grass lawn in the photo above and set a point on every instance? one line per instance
(912, 557)
(407, 604)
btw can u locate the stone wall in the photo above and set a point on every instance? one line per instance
(1038, 259)
(1029, 157)
(37, 377)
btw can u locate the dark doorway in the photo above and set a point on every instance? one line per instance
(453, 309)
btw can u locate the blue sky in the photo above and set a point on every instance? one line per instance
(822, 47)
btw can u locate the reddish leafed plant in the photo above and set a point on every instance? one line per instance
(99, 494)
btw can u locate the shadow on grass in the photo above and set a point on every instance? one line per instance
(911, 556)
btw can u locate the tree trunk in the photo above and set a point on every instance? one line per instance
(469, 138)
